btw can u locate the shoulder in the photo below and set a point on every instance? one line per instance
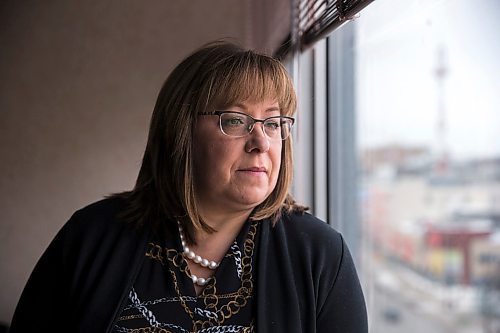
(313, 252)
(307, 223)
(96, 233)
(307, 240)
(310, 231)
(102, 209)
(96, 219)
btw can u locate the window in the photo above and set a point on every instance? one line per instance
(399, 128)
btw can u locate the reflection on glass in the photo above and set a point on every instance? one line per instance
(428, 129)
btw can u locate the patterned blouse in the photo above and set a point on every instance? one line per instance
(163, 298)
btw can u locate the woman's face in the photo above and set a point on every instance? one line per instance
(235, 174)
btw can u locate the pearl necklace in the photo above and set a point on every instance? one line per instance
(211, 264)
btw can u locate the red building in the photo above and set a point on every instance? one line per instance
(457, 238)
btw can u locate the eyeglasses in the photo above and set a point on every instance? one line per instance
(238, 124)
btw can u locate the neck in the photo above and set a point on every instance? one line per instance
(214, 246)
(226, 226)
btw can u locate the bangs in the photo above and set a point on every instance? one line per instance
(251, 77)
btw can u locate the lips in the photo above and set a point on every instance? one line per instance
(254, 169)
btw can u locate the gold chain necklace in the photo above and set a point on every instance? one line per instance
(209, 293)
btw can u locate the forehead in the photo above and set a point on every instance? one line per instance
(267, 105)
(245, 87)
(246, 94)
(255, 82)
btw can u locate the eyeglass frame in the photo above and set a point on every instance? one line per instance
(255, 120)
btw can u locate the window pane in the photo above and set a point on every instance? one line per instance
(428, 131)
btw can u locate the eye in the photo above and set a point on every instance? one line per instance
(233, 121)
(272, 124)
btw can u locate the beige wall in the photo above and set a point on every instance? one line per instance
(78, 81)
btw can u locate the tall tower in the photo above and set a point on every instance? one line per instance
(441, 164)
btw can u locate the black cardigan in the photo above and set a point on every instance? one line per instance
(306, 280)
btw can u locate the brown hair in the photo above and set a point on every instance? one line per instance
(215, 76)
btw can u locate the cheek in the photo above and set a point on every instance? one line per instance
(213, 160)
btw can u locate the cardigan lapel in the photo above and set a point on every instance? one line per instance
(120, 261)
(277, 302)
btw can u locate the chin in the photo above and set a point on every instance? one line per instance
(254, 199)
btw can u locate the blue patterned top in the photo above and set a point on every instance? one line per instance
(163, 297)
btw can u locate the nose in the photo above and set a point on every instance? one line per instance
(257, 140)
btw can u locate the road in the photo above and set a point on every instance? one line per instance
(393, 313)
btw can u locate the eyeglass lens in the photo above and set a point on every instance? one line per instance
(237, 124)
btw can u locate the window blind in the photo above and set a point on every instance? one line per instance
(314, 19)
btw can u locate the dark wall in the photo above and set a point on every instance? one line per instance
(78, 82)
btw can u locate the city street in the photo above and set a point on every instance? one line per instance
(393, 315)
(397, 306)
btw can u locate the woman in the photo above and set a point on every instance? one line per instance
(209, 240)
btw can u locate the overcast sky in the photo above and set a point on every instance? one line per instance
(397, 52)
